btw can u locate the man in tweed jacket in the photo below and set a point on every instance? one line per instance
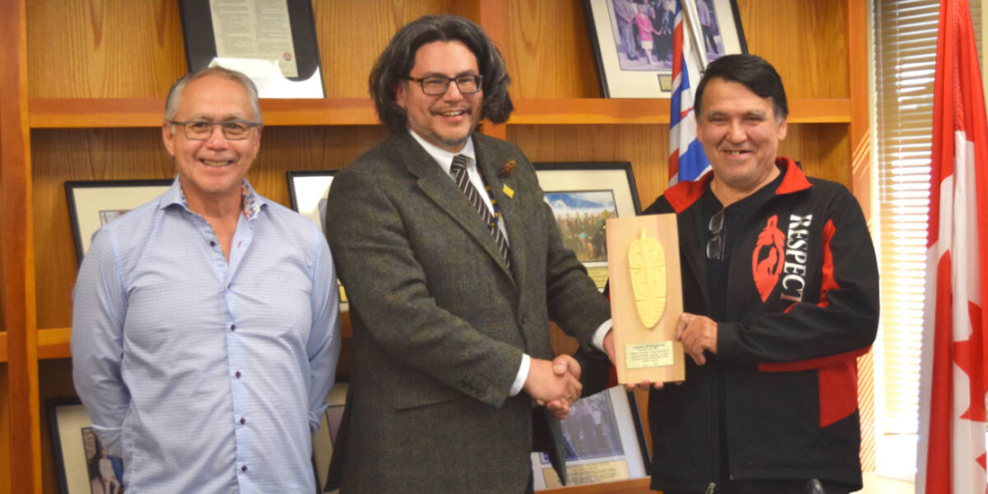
(453, 382)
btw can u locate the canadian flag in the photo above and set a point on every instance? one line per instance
(951, 455)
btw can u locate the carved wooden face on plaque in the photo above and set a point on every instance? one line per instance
(646, 297)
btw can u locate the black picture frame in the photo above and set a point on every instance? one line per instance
(75, 447)
(308, 191)
(567, 184)
(94, 203)
(200, 39)
(621, 76)
(605, 442)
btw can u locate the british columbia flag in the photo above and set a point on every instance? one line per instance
(686, 158)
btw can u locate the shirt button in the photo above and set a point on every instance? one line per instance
(237, 374)
(243, 421)
(233, 327)
(212, 243)
(243, 468)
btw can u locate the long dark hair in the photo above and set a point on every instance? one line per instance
(398, 59)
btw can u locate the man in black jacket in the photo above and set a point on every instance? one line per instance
(780, 291)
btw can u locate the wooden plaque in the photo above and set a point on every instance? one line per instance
(646, 297)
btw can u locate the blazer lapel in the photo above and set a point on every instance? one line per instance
(490, 166)
(440, 188)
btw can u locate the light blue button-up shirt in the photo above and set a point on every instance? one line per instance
(203, 375)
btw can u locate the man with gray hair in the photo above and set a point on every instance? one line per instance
(204, 333)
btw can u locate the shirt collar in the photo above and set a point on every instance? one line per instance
(251, 201)
(445, 158)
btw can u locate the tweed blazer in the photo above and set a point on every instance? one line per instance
(440, 322)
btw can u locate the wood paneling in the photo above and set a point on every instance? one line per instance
(547, 50)
(127, 49)
(821, 149)
(645, 146)
(4, 430)
(61, 155)
(352, 33)
(805, 41)
(66, 113)
(635, 486)
(17, 256)
(119, 49)
(104, 48)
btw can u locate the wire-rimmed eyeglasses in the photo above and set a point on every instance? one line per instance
(715, 247)
(200, 130)
(436, 85)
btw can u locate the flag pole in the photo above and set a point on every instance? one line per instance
(692, 20)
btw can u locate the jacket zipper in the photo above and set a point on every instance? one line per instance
(711, 487)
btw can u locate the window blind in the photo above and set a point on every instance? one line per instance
(905, 44)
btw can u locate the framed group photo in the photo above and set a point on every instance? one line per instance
(583, 196)
(82, 463)
(604, 442)
(93, 204)
(309, 191)
(633, 42)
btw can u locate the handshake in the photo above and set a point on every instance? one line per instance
(554, 384)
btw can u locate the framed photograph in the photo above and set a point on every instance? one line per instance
(271, 41)
(82, 463)
(322, 443)
(632, 41)
(605, 442)
(583, 196)
(309, 191)
(94, 204)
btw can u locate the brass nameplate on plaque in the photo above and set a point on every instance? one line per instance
(646, 297)
(645, 355)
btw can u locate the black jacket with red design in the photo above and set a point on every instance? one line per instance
(802, 305)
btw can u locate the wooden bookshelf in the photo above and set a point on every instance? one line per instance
(67, 113)
(82, 86)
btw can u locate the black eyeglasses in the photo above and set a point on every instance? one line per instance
(200, 130)
(435, 85)
(715, 247)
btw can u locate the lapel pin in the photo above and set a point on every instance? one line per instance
(508, 168)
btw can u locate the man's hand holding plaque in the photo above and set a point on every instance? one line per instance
(647, 301)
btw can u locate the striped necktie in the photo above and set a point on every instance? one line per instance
(459, 172)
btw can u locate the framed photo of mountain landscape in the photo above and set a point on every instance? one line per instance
(633, 42)
(583, 196)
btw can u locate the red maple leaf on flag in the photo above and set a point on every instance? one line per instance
(967, 355)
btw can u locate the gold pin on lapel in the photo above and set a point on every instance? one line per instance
(508, 191)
